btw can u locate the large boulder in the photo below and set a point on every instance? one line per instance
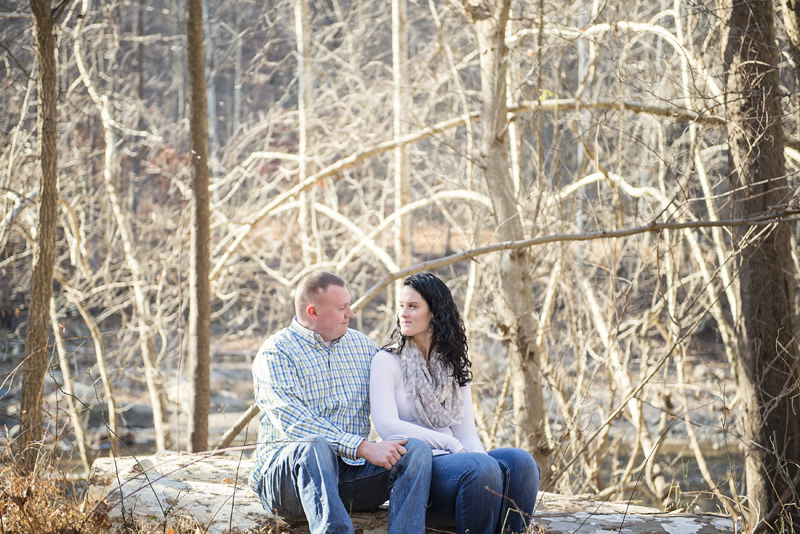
(211, 491)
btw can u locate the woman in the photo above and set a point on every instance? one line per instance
(419, 388)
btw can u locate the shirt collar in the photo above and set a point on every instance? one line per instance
(310, 336)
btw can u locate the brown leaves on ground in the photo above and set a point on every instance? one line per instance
(538, 528)
(172, 524)
(30, 504)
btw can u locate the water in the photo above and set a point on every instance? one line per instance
(688, 489)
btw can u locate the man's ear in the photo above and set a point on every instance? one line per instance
(311, 311)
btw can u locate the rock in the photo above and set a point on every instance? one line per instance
(137, 416)
(213, 491)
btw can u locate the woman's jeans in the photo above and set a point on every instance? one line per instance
(307, 479)
(484, 494)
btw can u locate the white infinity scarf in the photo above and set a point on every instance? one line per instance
(434, 397)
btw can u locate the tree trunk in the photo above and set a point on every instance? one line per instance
(237, 81)
(69, 391)
(489, 18)
(199, 285)
(126, 234)
(791, 21)
(210, 84)
(402, 111)
(38, 333)
(111, 419)
(768, 351)
(305, 77)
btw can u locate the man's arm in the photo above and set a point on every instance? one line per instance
(276, 392)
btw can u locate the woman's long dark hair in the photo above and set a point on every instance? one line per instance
(449, 335)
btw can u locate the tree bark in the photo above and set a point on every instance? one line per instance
(305, 83)
(791, 21)
(767, 329)
(489, 18)
(199, 284)
(402, 110)
(38, 333)
(69, 392)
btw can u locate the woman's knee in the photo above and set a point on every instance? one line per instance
(518, 460)
(520, 469)
(483, 470)
(525, 466)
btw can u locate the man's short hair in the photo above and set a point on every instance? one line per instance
(312, 283)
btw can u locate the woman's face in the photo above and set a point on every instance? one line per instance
(413, 313)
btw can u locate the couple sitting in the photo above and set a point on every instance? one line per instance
(314, 382)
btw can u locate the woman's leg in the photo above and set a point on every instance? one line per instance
(520, 487)
(465, 491)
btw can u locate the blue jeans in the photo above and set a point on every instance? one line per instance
(307, 479)
(484, 494)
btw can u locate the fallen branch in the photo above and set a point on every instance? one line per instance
(238, 426)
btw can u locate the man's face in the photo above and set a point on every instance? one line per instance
(332, 313)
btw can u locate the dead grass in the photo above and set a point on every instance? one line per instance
(54, 503)
(36, 505)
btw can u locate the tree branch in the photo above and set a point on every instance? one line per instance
(357, 157)
(389, 278)
(783, 216)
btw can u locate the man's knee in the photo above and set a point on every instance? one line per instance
(314, 447)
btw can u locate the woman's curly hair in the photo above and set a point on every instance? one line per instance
(449, 335)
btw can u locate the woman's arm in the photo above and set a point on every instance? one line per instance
(466, 432)
(384, 381)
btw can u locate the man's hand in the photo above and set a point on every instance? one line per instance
(384, 454)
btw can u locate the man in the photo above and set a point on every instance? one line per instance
(313, 459)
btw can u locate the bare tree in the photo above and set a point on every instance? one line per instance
(305, 92)
(199, 284)
(768, 353)
(38, 334)
(401, 118)
(104, 104)
(791, 21)
(72, 404)
(490, 19)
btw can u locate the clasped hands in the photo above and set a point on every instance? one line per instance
(384, 453)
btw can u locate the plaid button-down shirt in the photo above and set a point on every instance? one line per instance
(303, 388)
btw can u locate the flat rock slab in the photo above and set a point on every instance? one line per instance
(212, 493)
